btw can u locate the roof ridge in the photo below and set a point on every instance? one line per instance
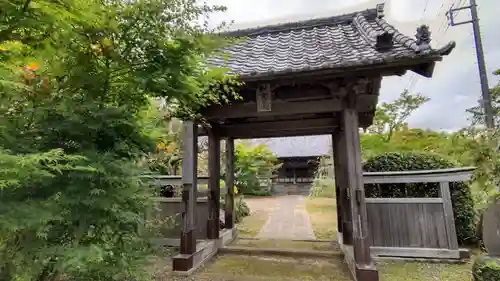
(303, 24)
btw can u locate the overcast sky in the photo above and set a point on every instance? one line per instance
(455, 84)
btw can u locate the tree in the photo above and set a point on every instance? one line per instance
(253, 164)
(390, 117)
(477, 112)
(76, 79)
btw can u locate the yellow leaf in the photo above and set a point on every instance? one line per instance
(32, 66)
(160, 146)
(171, 147)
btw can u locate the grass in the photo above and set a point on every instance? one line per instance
(412, 271)
(322, 213)
(264, 268)
(323, 216)
(251, 225)
(260, 208)
(285, 244)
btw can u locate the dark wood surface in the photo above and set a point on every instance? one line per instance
(213, 184)
(189, 183)
(229, 199)
(354, 182)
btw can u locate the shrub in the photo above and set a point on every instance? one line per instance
(463, 204)
(324, 182)
(323, 187)
(263, 192)
(254, 165)
(486, 268)
(241, 209)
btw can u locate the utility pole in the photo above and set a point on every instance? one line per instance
(485, 89)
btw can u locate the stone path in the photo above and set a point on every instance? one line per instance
(289, 220)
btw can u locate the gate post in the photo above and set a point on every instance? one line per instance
(184, 262)
(213, 222)
(344, 205)
(229, 202)
(364, 268)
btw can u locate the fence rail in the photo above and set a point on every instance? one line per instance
(399, 227)
(414, 227)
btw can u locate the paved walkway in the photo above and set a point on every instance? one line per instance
(289, 220)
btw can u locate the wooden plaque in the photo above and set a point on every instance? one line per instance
(264, 98)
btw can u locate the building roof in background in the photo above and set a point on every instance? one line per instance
(306, 146)
(352, 40)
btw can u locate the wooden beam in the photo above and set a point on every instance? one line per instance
(213, 184)
(247, 134)
(414, 253)
(405, 201)
(229, 202)
(244, 110)
(321, 125)
(354, 179)
(189, 185)
(423, 176)
(449, 220)
(282, 125)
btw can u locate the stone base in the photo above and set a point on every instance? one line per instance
(184, 264)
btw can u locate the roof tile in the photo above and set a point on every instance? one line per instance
(326, 43)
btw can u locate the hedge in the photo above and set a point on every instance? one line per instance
(486, 268)
(461, 196)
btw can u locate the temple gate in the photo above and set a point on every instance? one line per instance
(320, 76)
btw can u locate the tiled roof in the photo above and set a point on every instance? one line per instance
(304, 146)
(351, 40)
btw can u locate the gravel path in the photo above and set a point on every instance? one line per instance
(289, 220)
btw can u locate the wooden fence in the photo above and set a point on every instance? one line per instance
(173, 207)
(176, 181)
(414, 227)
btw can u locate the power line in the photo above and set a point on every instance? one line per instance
(443, 26)
(485, 89)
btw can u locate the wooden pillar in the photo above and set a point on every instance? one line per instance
(364, 267)
(229, 202)
(338, 196)
(189, 191)
(213, 223)
(339, 160)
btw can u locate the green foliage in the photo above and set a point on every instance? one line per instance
(477, 112)
(162, 226)
(461, 197)
(254, 165)
(77, 121)
(241, 209)
(453, 145)
(261, 192)
(486, 268)
(391, 117)
(484, 155)
(46, 233)
(324, 183)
